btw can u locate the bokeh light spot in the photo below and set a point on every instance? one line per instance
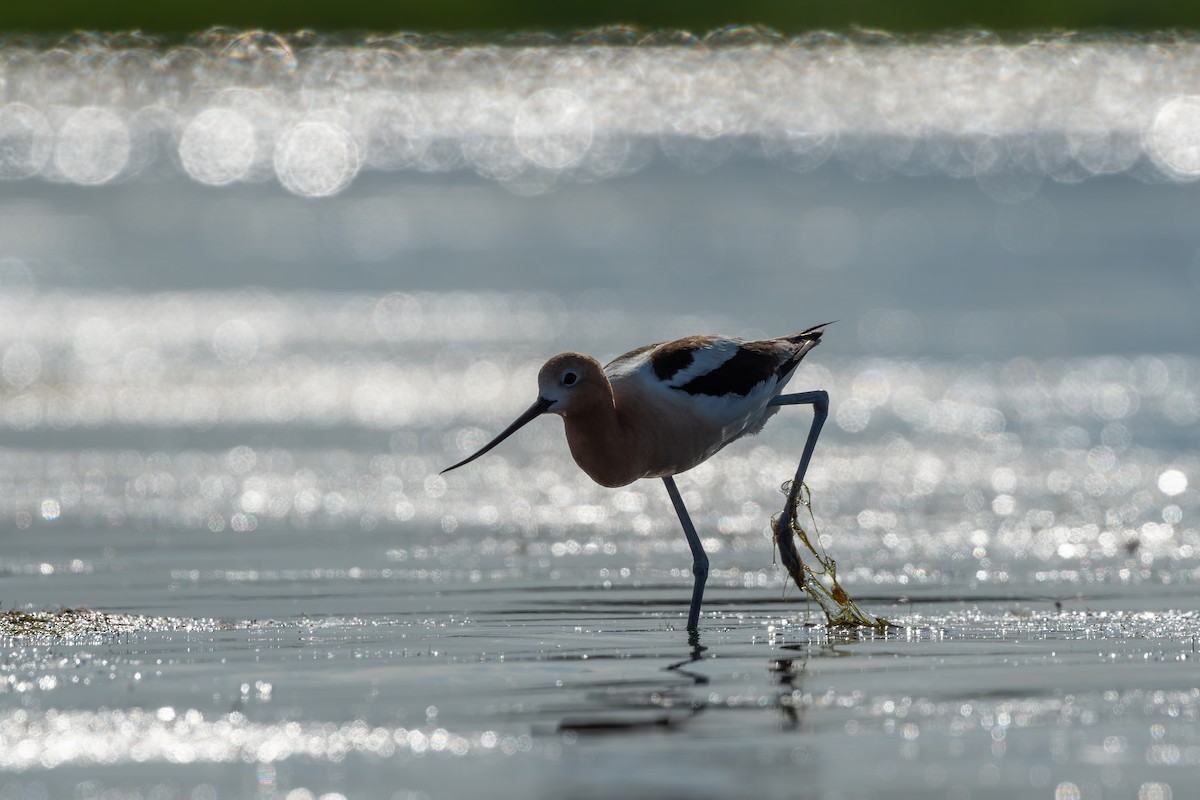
(26, 141)
(1155, 791)
(1175, 136)
(217, 147)
(399, 135)
(22, 364)
(316, 159)
(93, 146)
(554, 128)
(800, 134)
(397, 316)
(1172, 482)
(235, 341)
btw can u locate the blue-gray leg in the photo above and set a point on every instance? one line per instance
(699, 558)
(820, 402)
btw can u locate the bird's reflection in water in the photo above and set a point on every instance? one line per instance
(655, 703)
(789, 676)
(788, 671)
(697, 650)
(648, 705)
(632, 706)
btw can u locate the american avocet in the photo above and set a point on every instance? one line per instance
(664, 408)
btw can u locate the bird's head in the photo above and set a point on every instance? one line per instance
(566, 383)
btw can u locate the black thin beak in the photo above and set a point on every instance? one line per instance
(535, 410)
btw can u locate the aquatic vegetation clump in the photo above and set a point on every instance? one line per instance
(72, 622)
(820, 583)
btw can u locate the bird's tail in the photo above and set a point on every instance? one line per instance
(804, 341)
(812, 334)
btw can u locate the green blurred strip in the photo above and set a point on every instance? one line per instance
(698, 16)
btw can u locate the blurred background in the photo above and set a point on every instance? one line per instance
(278, 277)
(266, 269)
(508, 17)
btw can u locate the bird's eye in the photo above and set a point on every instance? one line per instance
(569, 378)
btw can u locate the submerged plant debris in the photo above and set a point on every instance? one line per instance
(820, 584)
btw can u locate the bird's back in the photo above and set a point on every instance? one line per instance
(688, 398)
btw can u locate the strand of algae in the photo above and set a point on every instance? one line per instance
(840, 609)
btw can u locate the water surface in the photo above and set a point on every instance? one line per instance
(232, 369)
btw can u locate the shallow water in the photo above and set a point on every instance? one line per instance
(224, 411)
(556, 688)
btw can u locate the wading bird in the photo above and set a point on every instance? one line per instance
(664, 408)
